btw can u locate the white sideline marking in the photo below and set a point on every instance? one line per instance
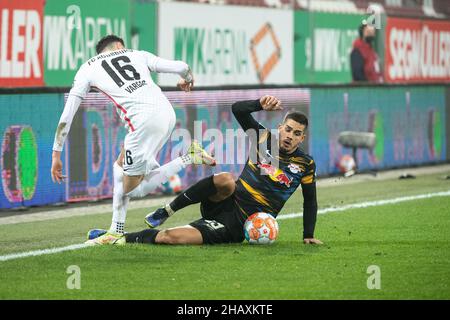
(42, 252)
(281, 217)
(369, 204)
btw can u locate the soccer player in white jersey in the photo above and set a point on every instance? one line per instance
(124, 76)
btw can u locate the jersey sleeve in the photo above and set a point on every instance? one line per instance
(309, 200)
(157, 64)
(310, 173)
(80, 89)
(309, 209)
(242, 112)
(81, 84)
(151, 60)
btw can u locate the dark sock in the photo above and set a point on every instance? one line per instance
(200, 191)
(144, 236)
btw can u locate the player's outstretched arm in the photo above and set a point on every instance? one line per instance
(62, 131)
(157, 64)
(270, 103)
(309, 206)
(186, 83)
(242, 111)
(56, 171)
(79, 90)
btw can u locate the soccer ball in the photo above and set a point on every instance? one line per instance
(173, 186)
(261, 228)
(347, 165)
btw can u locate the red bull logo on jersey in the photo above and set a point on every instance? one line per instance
(275, 174)
(294, 168)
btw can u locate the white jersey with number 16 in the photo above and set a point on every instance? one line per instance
(124, 76)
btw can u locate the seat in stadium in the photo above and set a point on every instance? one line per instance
(253, 3)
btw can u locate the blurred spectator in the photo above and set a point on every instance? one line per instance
(363, 58)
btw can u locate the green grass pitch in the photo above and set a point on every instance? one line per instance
(408, 241)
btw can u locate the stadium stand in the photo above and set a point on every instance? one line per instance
(410, 8)
(403, 8)
(442, 7)
(345, 6)
(254, 3)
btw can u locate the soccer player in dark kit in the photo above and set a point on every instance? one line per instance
(267, 181)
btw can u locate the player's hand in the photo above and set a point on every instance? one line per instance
(56, 170)
(186, 86)
(270, 103)
(312, 241)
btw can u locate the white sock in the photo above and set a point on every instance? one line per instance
(120, 202)
(157, 177)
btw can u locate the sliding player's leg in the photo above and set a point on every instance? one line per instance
(225, 228)
(214, 188)
(221, 222)
(199, 232)
(178, 235)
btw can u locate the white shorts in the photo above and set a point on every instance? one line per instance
(152, 128)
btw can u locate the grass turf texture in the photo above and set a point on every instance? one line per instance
(409, 241)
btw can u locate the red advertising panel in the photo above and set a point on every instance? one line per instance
(21, 30)
(417, 50)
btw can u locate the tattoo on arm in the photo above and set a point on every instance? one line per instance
(60, 134)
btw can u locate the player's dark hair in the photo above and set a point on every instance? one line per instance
(106, 41)
(297, 117)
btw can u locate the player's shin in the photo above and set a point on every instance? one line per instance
(157, 177)
(196, 193)
(199, 192)
(145, 236)
(120, 202)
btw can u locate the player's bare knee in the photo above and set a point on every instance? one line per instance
(131, 186)
(120, 158)
(167, 237)
(119, 162)
(225, 184)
